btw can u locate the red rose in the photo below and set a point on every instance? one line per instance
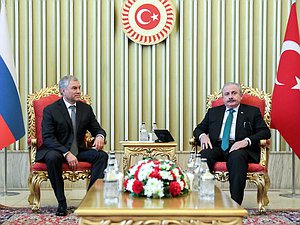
(136, 173)
(180, 172)
(156, 162)
(137, 187)
(125, 183)
(174, 188)
(155, 174)
(173, 175)
(184, 184)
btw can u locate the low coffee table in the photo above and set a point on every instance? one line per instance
(94, 209)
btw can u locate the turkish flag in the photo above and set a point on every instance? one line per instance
(285, 113)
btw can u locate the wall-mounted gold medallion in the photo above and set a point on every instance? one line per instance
(148, 22)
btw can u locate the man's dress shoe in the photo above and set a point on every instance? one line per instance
(62, 209)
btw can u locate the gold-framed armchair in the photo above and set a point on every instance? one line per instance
(36, 103)
(257, 172)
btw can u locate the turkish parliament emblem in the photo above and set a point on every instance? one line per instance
(148, 22)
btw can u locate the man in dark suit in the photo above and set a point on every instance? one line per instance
(245, 132)
(60, 144)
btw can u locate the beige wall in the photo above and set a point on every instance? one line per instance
(214, 41)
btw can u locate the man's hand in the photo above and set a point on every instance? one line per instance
(205, 142)
(99, 143)
(238, 145)
(72, 161)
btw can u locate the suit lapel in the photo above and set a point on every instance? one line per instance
(78, 114)
(64, 111)
(220, 118)
(220, 115)
(240, 118)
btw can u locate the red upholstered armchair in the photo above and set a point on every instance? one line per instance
(36, 103)
(257, 172)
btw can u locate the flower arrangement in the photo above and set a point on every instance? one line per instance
(156, 178)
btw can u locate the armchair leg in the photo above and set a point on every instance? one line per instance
(34, 183)
(30, 186)
(262, 182)
(265, 188)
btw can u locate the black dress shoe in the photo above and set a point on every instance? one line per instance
(62, 209)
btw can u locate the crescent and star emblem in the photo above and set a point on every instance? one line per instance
(148, 22)
(139, 16)
(141, 21)
(147, 16)
(292, 46)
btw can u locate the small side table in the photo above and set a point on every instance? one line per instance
(147, 149)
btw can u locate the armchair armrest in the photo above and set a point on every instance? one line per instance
(32, 142)
(89, 140)
(192, 141)
(264, 152)
(265, 143)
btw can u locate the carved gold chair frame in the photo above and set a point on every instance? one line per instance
(260, 179)
(37, 177)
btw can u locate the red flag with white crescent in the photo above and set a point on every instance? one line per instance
(285, 113)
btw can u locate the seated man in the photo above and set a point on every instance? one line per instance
(64, 125)
(234, 140)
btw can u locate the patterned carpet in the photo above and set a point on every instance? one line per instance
(272, 217)
(45, 216)
(23, 216)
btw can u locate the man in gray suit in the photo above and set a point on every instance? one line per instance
(245, 132)
(64, 125)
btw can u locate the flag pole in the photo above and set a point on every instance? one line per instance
(5, 192)
(293, 194)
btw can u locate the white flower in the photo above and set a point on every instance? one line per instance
(129, 185)
(154, 187)
(176, 172)
(166, 175)
(165, 166)
(144, 172)
(181, 183)
(132, 170)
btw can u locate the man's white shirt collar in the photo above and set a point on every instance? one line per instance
(236, 109)
(68, 104)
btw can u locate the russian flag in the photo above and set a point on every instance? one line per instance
(11, 119)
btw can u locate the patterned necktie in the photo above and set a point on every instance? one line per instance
(226, 131)
(74, 147)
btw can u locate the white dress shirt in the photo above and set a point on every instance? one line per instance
(68, 106)
(233, 125)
